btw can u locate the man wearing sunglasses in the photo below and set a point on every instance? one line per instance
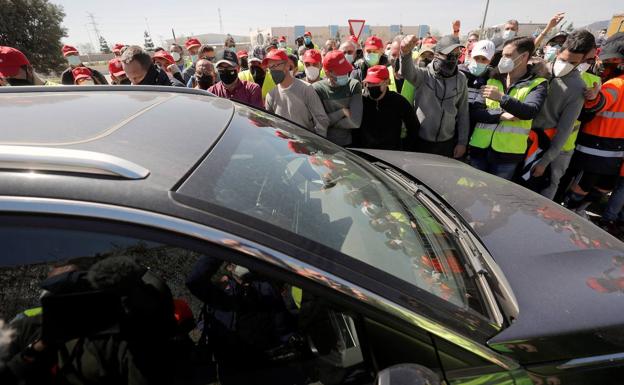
(440, 98)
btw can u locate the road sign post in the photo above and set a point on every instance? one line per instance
(356, 27)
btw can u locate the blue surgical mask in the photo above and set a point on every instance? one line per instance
(194, 58)
(550, 53)
(342, 80)
(307, 40)
(509, 34)
(349, 58)
(73, 60)
(372, 59)
(281, 44)
(477, 69)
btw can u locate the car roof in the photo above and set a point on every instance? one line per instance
(165, 130)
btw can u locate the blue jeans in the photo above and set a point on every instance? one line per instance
(501, 170)
(614, 212)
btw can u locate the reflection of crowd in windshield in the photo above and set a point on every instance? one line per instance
(110, 319)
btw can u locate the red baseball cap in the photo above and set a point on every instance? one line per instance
(81, 73)
(192, 42)
(69, 50)
(117, 47)
(242, 53)
(276, 55)
(115, 68)
(282, 38)
(164, 55)
(308, 34)
(335, 62)
(11, 60)
(377, 74)
(312, 56)
(373, 42)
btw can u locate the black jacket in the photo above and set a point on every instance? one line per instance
(359, 72)
(67, 77)
(155, 77)
(382, 122)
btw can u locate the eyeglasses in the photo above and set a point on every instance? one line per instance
(276, 66)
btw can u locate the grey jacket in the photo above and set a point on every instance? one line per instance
(561, 109)
(441, 103)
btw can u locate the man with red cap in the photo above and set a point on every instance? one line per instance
(192, 46)
(83, 76)
(165, 61)
(230, 86)
(73, 59)
(117, 48)
(293, 99)
(15, 68)
(117, 74)
(385, 114)
(283, 45)
(341, 97)
(307, 41)
(373, 55)
(243, 57)
(313, 65)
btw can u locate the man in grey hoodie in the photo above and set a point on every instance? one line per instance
(562, 107)
(440, 98)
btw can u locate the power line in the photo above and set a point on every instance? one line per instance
(94, 25)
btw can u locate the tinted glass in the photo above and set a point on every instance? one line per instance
(117, 309)
(272, 170)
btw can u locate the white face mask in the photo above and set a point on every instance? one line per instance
(562, 68)
(583, 67)
(73, 60)
(509, 34)
(312, 73)
(176, 56)
(506, 65)
(87, 83)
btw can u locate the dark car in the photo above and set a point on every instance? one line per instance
(323, 265)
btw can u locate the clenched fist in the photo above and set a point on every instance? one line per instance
(408, 43)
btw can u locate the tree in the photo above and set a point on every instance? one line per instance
(34, 27)
(104, 48)
(149, 44)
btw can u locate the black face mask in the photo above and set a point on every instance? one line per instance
(374, 92)
(19, 82)
(204, 81)
(125, 81)
(244, 63)
(228, 76)
(257, 73)
(445, 68)
(396, 65)
(424, 62)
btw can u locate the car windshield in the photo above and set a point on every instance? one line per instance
(284, 175)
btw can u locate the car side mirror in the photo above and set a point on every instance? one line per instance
(407, 374)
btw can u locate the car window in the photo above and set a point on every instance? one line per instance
(114, 308)
(277, 172)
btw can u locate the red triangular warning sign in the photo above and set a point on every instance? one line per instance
(356, 27)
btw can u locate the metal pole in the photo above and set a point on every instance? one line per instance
(487, 5)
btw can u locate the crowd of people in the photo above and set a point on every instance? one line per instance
(544, 111)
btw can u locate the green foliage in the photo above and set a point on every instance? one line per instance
(34, 27)
(104, 48)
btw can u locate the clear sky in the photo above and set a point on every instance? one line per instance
(125, 21)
